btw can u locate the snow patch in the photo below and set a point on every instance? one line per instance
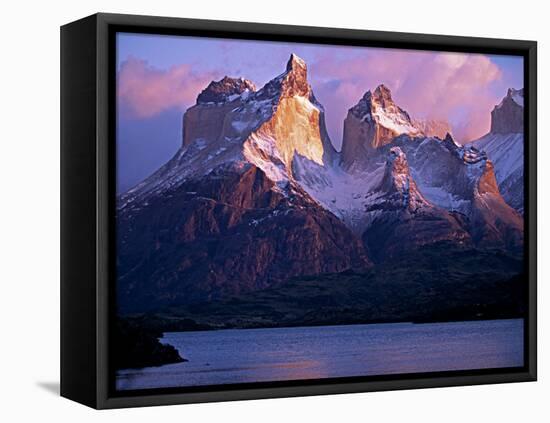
(444, 199)
(262, 152)
(344, 194)
(394, 122)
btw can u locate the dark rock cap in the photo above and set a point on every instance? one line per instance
(220, 91)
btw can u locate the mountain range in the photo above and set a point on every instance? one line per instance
(257, 194)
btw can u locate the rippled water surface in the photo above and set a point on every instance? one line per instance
(261, 355)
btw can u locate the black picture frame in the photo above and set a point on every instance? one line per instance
(88, 196)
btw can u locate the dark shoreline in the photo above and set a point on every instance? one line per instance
(205, 328)
(137, 347)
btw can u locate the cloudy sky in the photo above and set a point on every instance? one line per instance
(159, 77)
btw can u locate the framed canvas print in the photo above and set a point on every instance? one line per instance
(255, 211)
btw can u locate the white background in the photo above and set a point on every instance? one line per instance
(29, 236)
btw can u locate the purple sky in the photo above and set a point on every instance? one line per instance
(160, 76)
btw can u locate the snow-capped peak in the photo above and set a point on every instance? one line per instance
(295, 125)
(372, 123)
(380, 107)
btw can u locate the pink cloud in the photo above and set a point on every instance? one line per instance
(145, 91)
(452, 86)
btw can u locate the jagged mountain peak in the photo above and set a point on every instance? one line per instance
(296, 126)
(379, 106)
(516, 95)
(226, 89)
(399, 183)
(382, 99)
(382, 89)
(294, 81)
(507, 116)
(295, 62)
(512, 95)
(382, 95)
(372, 123)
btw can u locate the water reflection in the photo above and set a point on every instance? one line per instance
(257, 355)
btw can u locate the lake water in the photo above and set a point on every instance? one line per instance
(261, 355)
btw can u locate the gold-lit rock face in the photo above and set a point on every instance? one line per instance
(495, 222)
(294, 82)
(487, 182)
(295, 129)
(295, 125)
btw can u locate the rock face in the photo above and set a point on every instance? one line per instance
(507, 117)
(373, 123)
(257, 195)
(504, 146)
(205, 120)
